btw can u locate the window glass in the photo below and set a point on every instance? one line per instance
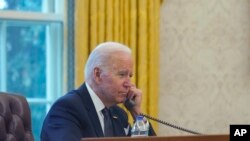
(21, 5)
(31, 64)
(38, 112)
(26, 58)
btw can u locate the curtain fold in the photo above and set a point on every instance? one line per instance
(134, 23)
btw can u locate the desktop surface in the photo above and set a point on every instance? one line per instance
(163, 138)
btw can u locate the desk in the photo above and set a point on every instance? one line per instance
(170, 138)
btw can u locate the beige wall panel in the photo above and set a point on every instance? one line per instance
(204, 65)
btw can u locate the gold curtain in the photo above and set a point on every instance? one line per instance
(132, 22)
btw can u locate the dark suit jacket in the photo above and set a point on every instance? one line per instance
(73, 116)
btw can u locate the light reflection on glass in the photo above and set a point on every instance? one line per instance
(3, 4)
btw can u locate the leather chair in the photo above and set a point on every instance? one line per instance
(15, 118)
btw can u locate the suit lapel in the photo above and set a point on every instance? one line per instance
(88, 103)
(95, 122)
(117, 126)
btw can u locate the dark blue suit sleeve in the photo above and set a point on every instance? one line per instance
(61, 123)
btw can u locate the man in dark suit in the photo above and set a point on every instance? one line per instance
(91, 110)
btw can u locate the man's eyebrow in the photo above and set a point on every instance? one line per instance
(126, 71)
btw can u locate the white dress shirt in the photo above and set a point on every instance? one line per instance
(98, 105)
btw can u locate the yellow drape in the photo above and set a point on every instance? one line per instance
(132, 22)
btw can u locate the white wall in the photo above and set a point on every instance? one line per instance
(204, 65)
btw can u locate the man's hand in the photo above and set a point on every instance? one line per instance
(136, 95)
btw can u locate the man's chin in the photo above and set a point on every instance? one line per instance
(122, 100)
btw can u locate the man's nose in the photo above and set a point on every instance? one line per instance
(127, 83)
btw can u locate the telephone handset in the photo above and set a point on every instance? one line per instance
(129, 104)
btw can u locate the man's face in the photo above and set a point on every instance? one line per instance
(115, 82)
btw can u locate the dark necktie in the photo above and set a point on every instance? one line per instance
(108, 128)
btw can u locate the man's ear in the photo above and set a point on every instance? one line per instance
(97, 74)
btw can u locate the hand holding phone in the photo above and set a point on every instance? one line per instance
(134, 99)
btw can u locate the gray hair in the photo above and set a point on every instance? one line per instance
(100, 55)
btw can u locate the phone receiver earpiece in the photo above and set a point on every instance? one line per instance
(129, 104)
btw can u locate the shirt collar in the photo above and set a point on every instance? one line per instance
(96, 100)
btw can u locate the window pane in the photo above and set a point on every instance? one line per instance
(31, 64)
(26, 58)
(38, 114)
(21, 5)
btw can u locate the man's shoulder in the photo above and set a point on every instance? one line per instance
(71, 96)
(71, 100)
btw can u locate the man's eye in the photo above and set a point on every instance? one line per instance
(125, 74)
(122, 74)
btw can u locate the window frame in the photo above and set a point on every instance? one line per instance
(52, 12)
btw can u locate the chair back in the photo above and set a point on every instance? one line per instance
(15, 118)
